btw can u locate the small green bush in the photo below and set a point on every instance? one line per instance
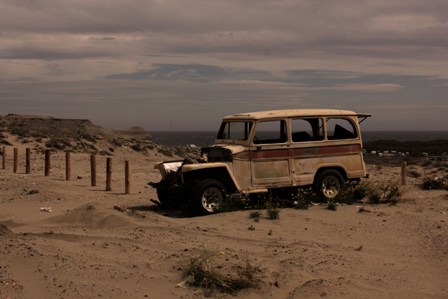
(273, 213)
(374, 196)
(391, 194)
(331, 206)
(255, 215)
(383, 193)
(303, 198)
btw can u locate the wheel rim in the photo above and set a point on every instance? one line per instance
(211, 198)
(330, 186)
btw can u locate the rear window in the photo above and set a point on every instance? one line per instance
(340, 128)
(307, 129)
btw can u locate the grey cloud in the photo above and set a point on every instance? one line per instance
(49, 54)
(286, 28)
(192, 72)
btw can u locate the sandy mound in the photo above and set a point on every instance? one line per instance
(87, 215)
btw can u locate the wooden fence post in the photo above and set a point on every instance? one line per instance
(16, 159)
(109, 174)
(68, 168)
(127, 183)
(403, 173)
(28, 161)
(4, 158)
(47, 162)
(93, 170)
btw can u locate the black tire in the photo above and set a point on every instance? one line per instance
(328, 184)
(207, 196)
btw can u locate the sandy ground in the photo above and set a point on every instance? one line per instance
(86, 248)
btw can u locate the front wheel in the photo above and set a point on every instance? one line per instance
(328, 184)
(208, 196)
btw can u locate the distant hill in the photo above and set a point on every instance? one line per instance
(70, 134)
(80, 135)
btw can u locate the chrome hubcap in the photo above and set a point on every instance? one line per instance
(330, 187)
(211, 199)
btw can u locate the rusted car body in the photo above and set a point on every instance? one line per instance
(261, 151)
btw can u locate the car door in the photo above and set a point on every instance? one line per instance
(270, 154)
(307, 142)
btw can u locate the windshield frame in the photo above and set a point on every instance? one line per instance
(240, 129)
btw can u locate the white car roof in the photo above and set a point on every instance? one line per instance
(293, 113)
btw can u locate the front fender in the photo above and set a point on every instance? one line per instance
(216, 170)
(193, 167)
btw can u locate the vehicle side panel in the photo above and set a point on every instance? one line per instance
(242, 174)
(270, 166)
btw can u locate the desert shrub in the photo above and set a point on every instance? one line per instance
(232, 203)
(383, 193)
(331, 205)
(165, 151)
(303, 198)
(391, 194)
(137, 147)
(202, 273)
(19, 131)
(5, 142)
(90, 138)
(272, 205)
(255, 215)
(301, 203)
(350, 194)
(360, 192)
(414, 174)
(435, 183)
(57, 143)
(374, 196)
(273, 213)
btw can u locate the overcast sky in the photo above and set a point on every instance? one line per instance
(183, 64)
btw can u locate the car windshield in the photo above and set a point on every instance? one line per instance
(234, 130)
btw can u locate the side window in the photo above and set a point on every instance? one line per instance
(340, 128)
(268, 132)
(307, 129)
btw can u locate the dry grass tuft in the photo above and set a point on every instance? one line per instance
(208, 274)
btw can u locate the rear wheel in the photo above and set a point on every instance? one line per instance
(328, 184)
(208, 195)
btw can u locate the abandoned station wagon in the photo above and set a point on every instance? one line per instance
(267, 151)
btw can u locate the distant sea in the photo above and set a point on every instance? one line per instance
(205, 138)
